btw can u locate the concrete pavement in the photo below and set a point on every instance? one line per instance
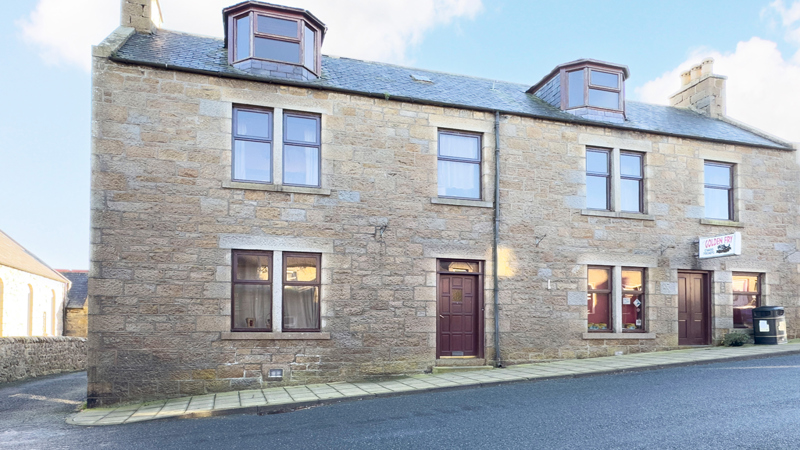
(282, 399)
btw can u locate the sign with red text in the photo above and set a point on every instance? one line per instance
(727, 245)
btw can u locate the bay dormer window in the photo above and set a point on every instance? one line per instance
(587, 88)
(273, 40)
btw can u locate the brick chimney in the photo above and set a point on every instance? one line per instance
(701, 90)
(142, 15)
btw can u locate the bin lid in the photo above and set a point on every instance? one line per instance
(768, 308)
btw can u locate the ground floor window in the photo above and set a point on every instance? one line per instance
(599, 290)
(257, 297)
(746, 296)
(613, 291)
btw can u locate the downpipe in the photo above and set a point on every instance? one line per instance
(495, 260)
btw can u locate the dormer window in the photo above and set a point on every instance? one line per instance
(274, 40)
(587, 88)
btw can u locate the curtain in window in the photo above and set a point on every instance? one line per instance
(458, 179)
(301, 307)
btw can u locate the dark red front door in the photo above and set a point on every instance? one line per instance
(692, 309)
(458, 315)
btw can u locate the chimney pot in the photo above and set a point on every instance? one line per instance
(696, 71)
(686, 77)
(707, 66)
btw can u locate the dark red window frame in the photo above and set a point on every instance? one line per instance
(235, 282)
(316, 283)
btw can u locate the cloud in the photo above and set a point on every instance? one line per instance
(763, 87)
(63, 31)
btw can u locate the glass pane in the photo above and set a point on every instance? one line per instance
(254, 124)
(459, 266)
(253, 267)
(301, 268)
(458, 146)
(599, 279)
(575, 83)
(277, 50)
(718, 175)
(597, 162)
(243, 37)
(596, 192)
(716, 204)
(252, 306)
(300, 307)
(630, 165)
(743, 310)
(745, 283)
(309, 47)
(632, 280)
(458, 179)
(301, 165)
(632, 311)
(301, 129)
(603, 99)
(629, 195)
(251, 161)
(279, 27)
(598, 312)
(604, 79)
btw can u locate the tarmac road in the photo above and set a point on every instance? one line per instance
(746, 404)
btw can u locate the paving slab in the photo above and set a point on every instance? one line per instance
(288, 398)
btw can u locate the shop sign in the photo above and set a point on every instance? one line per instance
(727, 245)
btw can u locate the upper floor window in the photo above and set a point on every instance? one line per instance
(587, 88)
(301, 149)
(602, 183)
(718, 190)
(459, 165)
(252, 145)
(275, 33)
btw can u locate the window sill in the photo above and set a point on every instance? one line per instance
(275, 188)
(239, 335)
(722, 223)
(618, 336)
(616, 214)
(461, 202)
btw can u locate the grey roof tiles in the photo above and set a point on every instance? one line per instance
(180, 51)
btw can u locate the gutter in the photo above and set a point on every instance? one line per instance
(383, 96)
(495, 260)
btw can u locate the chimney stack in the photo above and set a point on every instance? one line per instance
(142, 15)
(701, 91)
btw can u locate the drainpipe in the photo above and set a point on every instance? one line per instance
(498, 360)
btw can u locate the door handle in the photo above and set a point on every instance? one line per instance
(441, 316)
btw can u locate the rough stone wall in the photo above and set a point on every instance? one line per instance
(14, 294)
(77, 322)
(29, 357)
(165, 217)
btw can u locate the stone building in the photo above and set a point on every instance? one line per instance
(32, 295)
(263, 214)
(76, 320)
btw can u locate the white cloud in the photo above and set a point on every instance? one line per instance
(63, 31)
(763, 87)
(375, 30)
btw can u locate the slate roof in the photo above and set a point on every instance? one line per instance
(16, 256)
(79, 291)
(180, 51)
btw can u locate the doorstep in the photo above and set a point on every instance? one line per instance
(290, 398)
